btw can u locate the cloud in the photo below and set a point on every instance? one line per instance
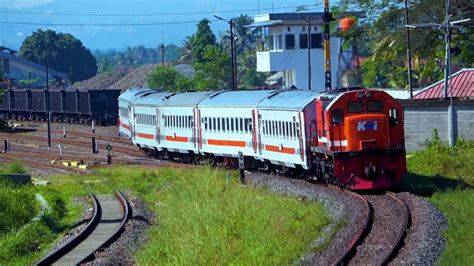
(19, 34)
(22, 4)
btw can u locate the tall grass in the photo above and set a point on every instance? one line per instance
(448, 183)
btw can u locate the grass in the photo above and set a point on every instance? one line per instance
(203, 217)
(448, 184)
(23, 240)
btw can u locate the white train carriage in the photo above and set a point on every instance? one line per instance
(228, 120)
(287, 122)
(180, 125)
(125, 101)
(145, 129)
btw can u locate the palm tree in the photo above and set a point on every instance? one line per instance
(186, 51)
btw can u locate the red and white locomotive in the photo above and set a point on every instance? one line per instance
(353, 138)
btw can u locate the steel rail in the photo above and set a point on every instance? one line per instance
(359, 236)
(74, 241)
(398, 240)
(113, 237)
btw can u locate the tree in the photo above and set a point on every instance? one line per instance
(66, 54)
(203, 38)
(215, 72)
(384, 35)
(167, 78)
(186, 51)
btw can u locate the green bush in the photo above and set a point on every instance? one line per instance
(17, 206)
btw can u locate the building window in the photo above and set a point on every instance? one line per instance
(279, 44)
(290, 41)
(316, 40)
(303, 41)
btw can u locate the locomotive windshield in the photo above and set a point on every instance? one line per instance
(355, 107)
(375, 106)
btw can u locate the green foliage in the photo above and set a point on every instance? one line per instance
(448, 184)
(17, 206)
(15, 167)
(215, 73)
(66, 54)
(166, 78)
(203, 218)
(383, 37)
(108, 60)
(203, 38)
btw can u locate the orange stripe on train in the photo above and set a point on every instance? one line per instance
(277, 149)
(145, 136)
(177, 138)
(233, 143)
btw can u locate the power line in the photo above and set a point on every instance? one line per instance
(99, 24)
(150, 14)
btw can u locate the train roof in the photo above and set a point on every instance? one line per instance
(151, 98)
(186, 98)
(244, 98)
(132, 93)
(288, 99)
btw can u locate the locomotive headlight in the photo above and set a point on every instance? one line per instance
(368, 94)
(360, 95)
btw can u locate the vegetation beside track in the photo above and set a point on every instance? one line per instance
(24, 239)
(205, 216)
(448, 184)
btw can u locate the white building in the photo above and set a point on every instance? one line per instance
(284, 47)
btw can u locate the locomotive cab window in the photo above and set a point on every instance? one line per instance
(355, 107)
(375, 106)
(393, 116)
(337, 116)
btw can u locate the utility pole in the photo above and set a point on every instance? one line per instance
(410, 86)
(48, 100)
(232, 51)
(327, 46)
(162, 49)
(447, 24)
(308, 24)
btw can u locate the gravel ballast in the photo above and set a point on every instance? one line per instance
(424, 241)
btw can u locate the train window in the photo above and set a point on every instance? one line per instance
(337, 116)
(227, 126)
(393, 116)
(375, 106)
(355, 107)
(297, 129)
(287, 134)
(250, 125)
(241, 125)
(280, 129)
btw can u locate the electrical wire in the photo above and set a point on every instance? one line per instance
(151, 14)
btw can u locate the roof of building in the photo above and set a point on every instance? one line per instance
(461, 85)
(29, 64)
(244, 98)
(397, 94)
(288, 99)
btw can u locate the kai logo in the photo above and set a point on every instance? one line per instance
(366, 125)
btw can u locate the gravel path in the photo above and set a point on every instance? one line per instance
(346, 212)
(424, 241)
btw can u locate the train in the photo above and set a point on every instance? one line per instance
(67, 105)
(350, 137)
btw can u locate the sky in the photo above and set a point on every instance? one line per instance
(92, 20)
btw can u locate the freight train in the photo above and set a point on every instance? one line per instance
(73, 106)
(351, 137)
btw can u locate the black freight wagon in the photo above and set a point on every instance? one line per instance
(6, 104)
(21, 104)
(99, 105)
(38, 105)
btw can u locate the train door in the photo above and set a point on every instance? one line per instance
(259, 133)
(158, 125)
(254, 131)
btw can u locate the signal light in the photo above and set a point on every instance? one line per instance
(368, 94)
(360, 95)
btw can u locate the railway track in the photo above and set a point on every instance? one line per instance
(125, 150)
(36, 161)
(111, 212)
(378, 241)
(114, 139)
